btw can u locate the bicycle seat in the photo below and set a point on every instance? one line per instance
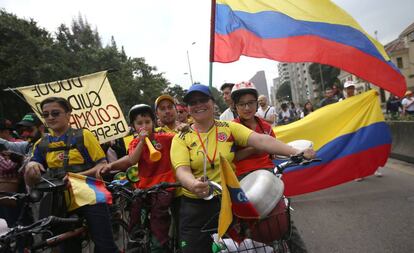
(48, 184)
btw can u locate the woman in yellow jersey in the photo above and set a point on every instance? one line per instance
(206, 139)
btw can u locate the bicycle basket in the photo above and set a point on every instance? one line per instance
(271, 228)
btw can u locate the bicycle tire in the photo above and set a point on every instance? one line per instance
(121, 236)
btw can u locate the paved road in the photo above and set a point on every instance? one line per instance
(374, 215)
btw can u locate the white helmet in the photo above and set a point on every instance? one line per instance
(242, 88)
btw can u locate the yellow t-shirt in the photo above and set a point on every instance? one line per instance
(165, 129)
(186, 149)
(92, 151)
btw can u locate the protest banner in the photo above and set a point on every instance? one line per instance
(92, 99)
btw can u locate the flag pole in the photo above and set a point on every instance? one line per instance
(212, 31)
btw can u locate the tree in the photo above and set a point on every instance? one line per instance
(284, 92)
(30, 55)
(27, 57)
(328, 73)
(176, 91)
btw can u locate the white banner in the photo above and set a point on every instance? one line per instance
(92, 99)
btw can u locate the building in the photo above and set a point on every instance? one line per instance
(259, 80)
(360, 85)
(273, 91)
(401, 52)
(301, 84)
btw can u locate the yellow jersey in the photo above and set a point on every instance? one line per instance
(187, 150)
(90, 153)
(165, 129)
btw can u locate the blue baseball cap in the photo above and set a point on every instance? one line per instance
(197, 88)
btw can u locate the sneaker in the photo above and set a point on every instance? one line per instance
(358, 179)
(378, 173)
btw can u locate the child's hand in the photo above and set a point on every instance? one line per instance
(142, 133)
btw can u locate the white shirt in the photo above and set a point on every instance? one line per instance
(227, 115)
(268, 112)
(407, 101)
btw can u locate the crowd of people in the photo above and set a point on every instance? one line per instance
(191, 141)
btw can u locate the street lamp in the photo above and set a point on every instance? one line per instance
(189, 65)
(191, 80)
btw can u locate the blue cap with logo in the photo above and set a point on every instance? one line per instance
(197, 88)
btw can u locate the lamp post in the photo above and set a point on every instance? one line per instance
(189, 65)
(191, 80)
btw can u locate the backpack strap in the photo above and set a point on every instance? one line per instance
(268, 108)
(73, 134)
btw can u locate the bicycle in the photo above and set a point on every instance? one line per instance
(52, 230)
(267, 234)
(140, 236)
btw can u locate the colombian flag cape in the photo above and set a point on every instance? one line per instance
(86, 191)
(350, 137)
(233, 198)
(300, 31)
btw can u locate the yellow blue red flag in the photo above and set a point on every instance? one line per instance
(86, 191)
(233, 198)
(301, 31)
(350, 137)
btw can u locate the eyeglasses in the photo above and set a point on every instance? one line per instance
(202, 100)
(250, 104)
(54, 114)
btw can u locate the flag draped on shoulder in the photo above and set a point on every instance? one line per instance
(233, 198)
(350, 137)
(86, 191)
(301, 31)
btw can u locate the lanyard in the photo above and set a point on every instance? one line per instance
(204, 148)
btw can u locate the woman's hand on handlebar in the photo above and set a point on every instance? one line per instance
(200, 187)
(308, 153)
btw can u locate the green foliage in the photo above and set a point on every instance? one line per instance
(176, 92)
(329, 75)
(30, 55)
(219, 99)
(284, 92)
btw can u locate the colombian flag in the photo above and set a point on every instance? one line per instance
(350, 137)
(233, 198)
(86, 191)
(301, 31)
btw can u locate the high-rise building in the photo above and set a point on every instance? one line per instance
(259, 80)
(273, 91)
(301, 84)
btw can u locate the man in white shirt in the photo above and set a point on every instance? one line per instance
(266, 112)
(408, 103)
(230, 112)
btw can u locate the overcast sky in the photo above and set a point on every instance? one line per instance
(162, 31)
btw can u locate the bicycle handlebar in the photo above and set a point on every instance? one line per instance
(294, 160)
(120, 188)
(37, 226)
(32, 197)
(155, 188)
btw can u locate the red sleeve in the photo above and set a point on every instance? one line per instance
(132, 145)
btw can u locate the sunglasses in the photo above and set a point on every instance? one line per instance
(54, 114)
(202, 100)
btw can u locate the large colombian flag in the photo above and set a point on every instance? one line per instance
(233, 198)
(301, 31)
(86, 191)
(350, 137)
